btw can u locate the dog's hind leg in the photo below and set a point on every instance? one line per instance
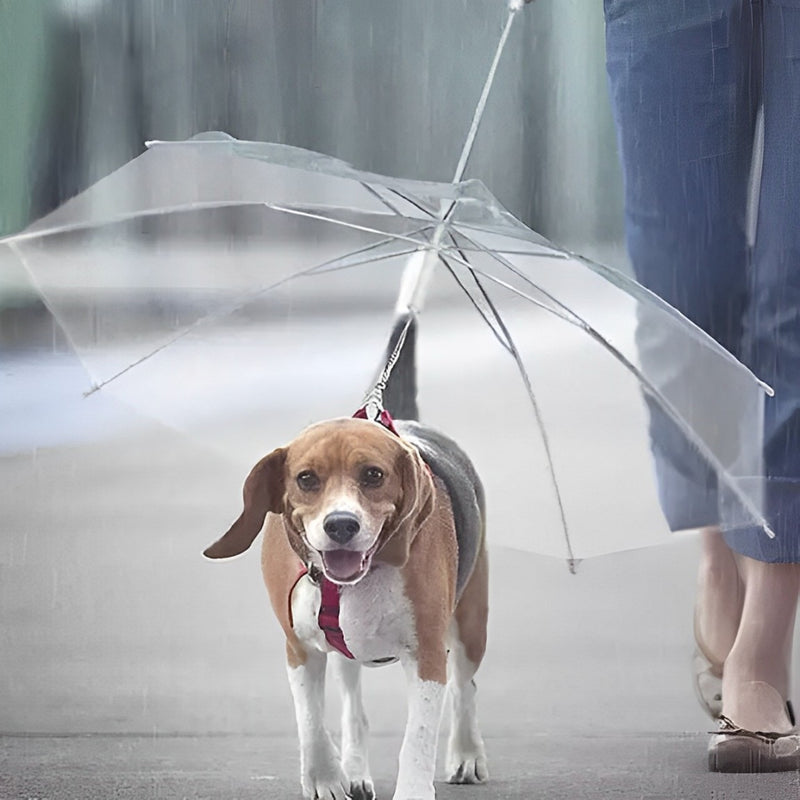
(466, 755)
(355, 729)
(321, 774)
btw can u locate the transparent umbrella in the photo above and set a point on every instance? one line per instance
(210, 279)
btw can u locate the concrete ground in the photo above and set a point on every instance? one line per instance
(527, 766)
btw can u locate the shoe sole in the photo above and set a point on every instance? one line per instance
(748, 753)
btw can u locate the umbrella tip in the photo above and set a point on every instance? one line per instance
(573, 563)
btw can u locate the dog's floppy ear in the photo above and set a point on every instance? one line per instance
(415, 506)
(263, 492)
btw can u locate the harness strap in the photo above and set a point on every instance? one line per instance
(384, 418)
(328, 619)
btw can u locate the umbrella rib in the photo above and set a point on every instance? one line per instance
(615, 278)
(529, 253)
(619, 279)
(376, 194)
(465, 262)
(497, 334)
(406, 198)
(411, 201)
(574, 319)
(566, 315)
(242, 301)
(14, 240)
(555, 251)
(334, 266)
(74, 227)
(512, 349)
(341, 223)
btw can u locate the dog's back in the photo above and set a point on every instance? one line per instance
(445, 458)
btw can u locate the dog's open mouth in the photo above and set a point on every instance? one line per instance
(346, 566)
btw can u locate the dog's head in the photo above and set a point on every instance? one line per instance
(349, 490)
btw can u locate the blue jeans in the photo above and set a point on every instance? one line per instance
(686, 81)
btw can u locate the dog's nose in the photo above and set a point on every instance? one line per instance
(341, 526)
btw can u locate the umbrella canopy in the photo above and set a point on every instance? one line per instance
(211, 282)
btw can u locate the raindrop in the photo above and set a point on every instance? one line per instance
(54, 589)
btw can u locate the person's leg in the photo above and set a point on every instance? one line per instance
(717, 612)
(720, 594)
(680, 91)
(771, 341)
(756, 674)
(680, 76)
(755, 684)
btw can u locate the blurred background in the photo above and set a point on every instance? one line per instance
(109, 619)
(389, 87)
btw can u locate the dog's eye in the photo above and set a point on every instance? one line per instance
(371, 476)
(308, 481)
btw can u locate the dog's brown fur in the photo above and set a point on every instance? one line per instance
(418, 536)
(412, 511)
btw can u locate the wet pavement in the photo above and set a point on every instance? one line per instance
(132, 668)
(524, 767)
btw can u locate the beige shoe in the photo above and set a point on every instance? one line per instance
(733, 749)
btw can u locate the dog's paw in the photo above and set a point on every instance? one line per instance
(469, 769)
(326, 788)
(323, 777)
(362, 790)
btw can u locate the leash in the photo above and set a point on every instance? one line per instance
(412, 289)
(372, 407)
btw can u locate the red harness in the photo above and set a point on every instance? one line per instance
(328, 617)
(384, 419)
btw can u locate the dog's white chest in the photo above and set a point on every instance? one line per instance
(374, 615)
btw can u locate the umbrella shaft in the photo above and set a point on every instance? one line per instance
(476, 118)
(417, 274)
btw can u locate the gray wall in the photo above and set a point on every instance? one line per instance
(389, 86)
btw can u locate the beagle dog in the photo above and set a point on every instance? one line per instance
(374, 551)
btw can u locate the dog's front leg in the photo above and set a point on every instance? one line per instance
(321, 774)
(426, 692)
(355, 729)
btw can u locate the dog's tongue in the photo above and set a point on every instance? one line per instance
(342, 564)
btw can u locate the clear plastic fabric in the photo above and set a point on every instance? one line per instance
(211, 282)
